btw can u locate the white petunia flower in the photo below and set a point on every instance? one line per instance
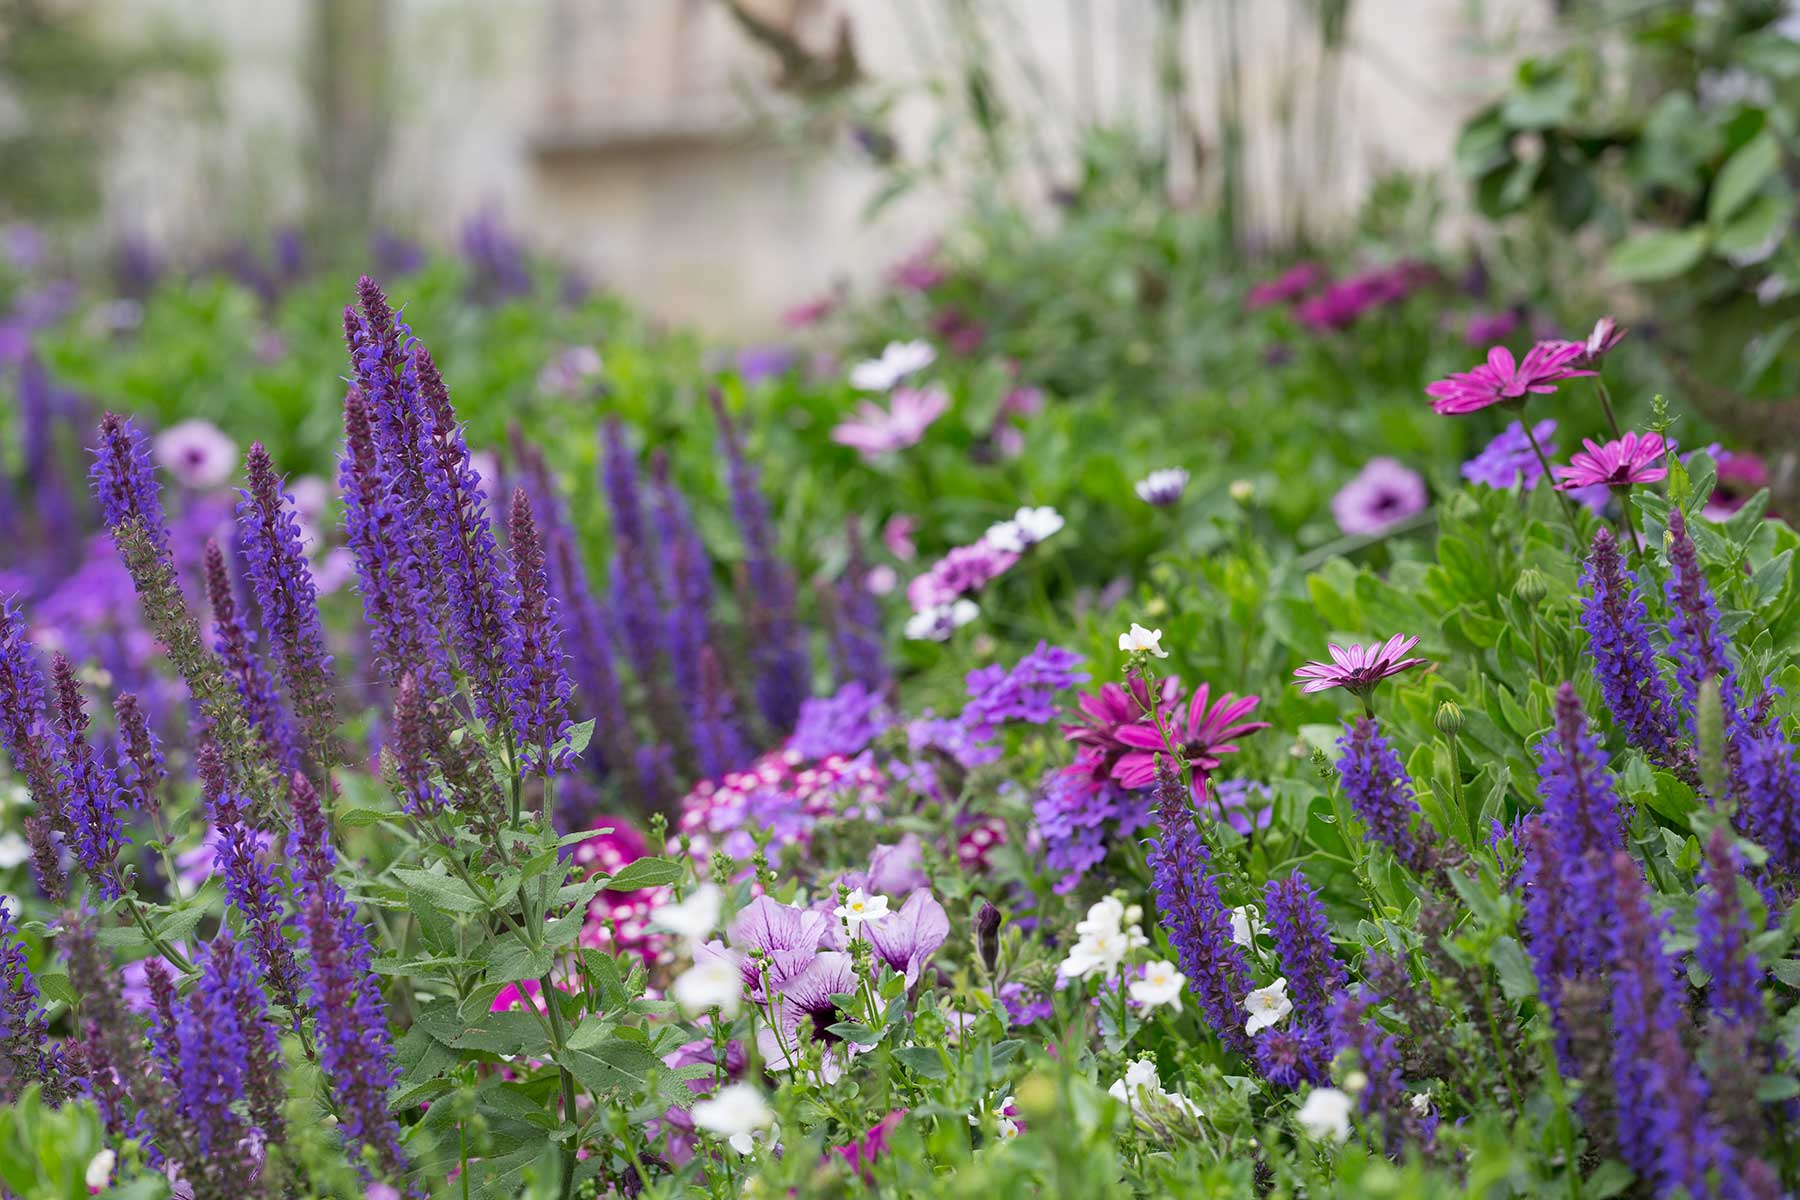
(694, 917)
(714, 982)
(1161, 984)
(1104, 916)
(1098, 952)
(733, 1109)
(1326, 1114)
(858, 907)
(897, 361)
(100, 1169)
(1267, 1006)
(1140, 639)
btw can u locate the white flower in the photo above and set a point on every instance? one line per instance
(1245, 925)
(1421, 1103)
(1102, 951)
(1162, 488)
(714, 982)
(1147, 640)
(1134, 913)
(1326, 1114)
(694, 917)
(736, 1108)
(858, 907)
(1037, 524)
(897, 361)
(1007, 536)
(1355, 1083)
(937, 623)
(13, 851)
(1104, 916)
(1161, 984)
(1267, 1006)
(1140, 1077)
(1009, 1129)
(100, 1169)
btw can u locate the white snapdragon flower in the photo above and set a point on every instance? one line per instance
(1267, 1006)
(1138, 639)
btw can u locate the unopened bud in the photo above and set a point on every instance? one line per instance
(1531, 586)
(987, 935)
(1449, 718)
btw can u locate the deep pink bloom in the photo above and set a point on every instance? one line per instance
(1384, 493)
(1606, 335)
(1500, 380)
(1208, 734)
(810, 313)
(1631, 459)
(877, 430)
(862, 1153)
(1291, 284)
(1359, 668)
(1105, 715)
(1740, 477)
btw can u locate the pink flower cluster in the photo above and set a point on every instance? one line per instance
(619, 920)
(780, 793)
(964, 570)
(1322, 305)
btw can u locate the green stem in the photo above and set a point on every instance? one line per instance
(1550, 478)
(1612, 422)
(559, 1041)
(175, 957)
(1634, 547)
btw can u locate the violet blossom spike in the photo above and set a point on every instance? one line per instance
(412, 754)
(165, 1037)
(236, 647)
(396, 601)
(1198, 923)
(1696, 644)
(1769, 784)
(1302, 934)
(858, 649)
(686, 584)
(355, 1054)
(124, 480)
(540, 678)
(1294, 1054)
(718, 745)
(635, 603)
(1381, 792)
(46, 858)
(481, 610)
(596, 678)
(53, 503)
(252, 886)
(1354, 1027)
(93, 801)
(777, 645)
(26, 1055)
(22, 717)
(276, 567)
(1618, 629)
(1665, 1132)
(1577, 789)
(210, 1074)
(1723, 931)
(1556, 944)
(141, 767)
(240, 993)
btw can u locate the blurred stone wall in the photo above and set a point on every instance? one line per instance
(642, 139)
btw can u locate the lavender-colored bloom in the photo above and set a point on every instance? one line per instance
(236, 648)
(858, 649)
(1383, 494)
(1768, 780)
(1162, 488)
(1665, 1132)
(842, 723)
(1197, 920)
(92, 798)
(685, 583)
(778, 645)
(1560, 948)
(907, 938)
(1354, 1027)
(496, 259)
(1026, 693)
(806, 1000)
(124, 481)
(1302, 934)
(1696, 644)
(209, 1057)
(276, 567)
(1723, 931)
(540, 684)
(141, 769)
(1618, 628)
(1578, 793)
(197, 453)
(596, 678)
(22, 718)
(1380, 791)
(251, 885)
(351, 1032)
(1509, 458)
(719, 747)
(1079, 817)
(26, 1056)
(777, 939)
(1294, 1054)
(482, 613)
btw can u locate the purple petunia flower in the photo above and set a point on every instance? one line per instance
(1501, 380)
(906, 938)
(777, 940)
(1383, 494)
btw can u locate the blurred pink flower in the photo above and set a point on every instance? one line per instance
(875, 430)
(810, 313)
(197, 453)
(1740, 477)
(1291, 284)
(1631, 459)
(1500, 379)
(897, 536)
(1384, 493)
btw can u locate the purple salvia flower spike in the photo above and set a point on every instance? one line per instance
(240, 993)
(252, 886)
(1723, 932)
(23, 728)
(1695, 642)
(858, 649)
(596, 677)
(1198, 923)
(236, 648)
(141, 767)
(1618, 629)
(1302, 934)
(92, 804)
(1380, 791)
(686, 583)
(1768, 779)
(276, 567)
(1293, 1054)
(26, 1055)
(718, 745)
(540, 685)
(1578, 792)
(124, 480)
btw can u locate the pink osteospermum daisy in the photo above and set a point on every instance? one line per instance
(1209, 732)
(1359, 668)
(1631, 459)
(875, 430)
(1500, 380)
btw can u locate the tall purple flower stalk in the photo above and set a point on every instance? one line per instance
(1380, 791)
(482, 614)
(93, 790)
(1723, 931)
(596, 677)
(236, 648)
(1579, 798)
(687, 584)
(209, 1059)
(1768, 780)
(355, 1053)
(26, 1055)
(718, 746)
(1302, 934)
(1198, 923)
(1665, 1132)
(540, 681)
(858, 649)
(1697, 645)
(240, 993)
(1354, 1027)
(777, 644)
(1618, 629)
(282, 581)
(396, 601)
(1560, 949)
(141, 768)
(252, 886)
(124, 480)
(22, 717)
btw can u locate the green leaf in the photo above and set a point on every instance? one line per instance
(1663, 254)
(1742, 176)
(922, 1061)
(645, 873)
(511, 960)
(579, 737)
(440, 890)
(1751, 230)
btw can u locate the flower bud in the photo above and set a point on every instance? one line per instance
(1242, 490)
(1531, 586)
(1355, 1082)
(987, 935)
(1449, 718)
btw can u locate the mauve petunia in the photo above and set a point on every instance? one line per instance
(788, 936)
(905, 940)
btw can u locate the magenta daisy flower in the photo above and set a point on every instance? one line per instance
(1357, 669)
(1209, 733)
(1500, 380)
(1631, 459)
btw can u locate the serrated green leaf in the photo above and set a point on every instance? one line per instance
(440, 890)
(645, 873)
